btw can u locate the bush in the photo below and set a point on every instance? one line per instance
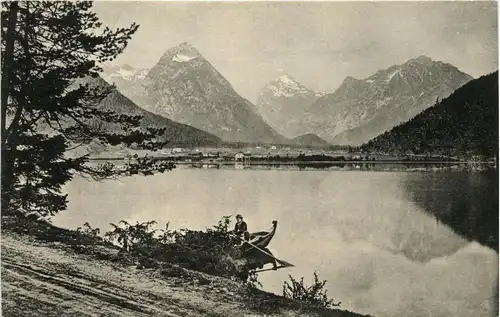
(87, 235)
(132, 237)
(89, 231)
(314, 295)
(213, 251)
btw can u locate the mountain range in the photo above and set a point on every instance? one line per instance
(283, 102)
(129, 80)
(176, 134)
(183, 86)
(359, 110)
(464, 124)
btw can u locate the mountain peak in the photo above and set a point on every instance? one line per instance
(452, 111)
(186, 47)
(362, 109)
(350, 78)
(288, 81)
(183, 52)
(282, 103)
(186, 88)
(185, 44)
(286, 78)
(422, 59)
(285, 86)
(114, 72)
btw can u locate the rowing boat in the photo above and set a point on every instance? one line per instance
(256, 252)
(260, 239)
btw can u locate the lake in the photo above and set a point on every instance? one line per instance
(389, 243)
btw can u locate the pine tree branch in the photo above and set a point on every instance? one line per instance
(53, 47)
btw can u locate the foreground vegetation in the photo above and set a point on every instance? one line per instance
(118, 269)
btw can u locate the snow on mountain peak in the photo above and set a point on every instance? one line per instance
(289, 81)
(283, 102)
(394, 73)
(287, 86)
(181, 58)
(181, 53)
(112, 72)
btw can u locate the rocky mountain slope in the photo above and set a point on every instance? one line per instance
(129, 80)
(465, 123)
(361, 109)
(175, 133)
(183, 86)
(282, 103)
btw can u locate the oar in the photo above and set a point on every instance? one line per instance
(253, 246)
(283, 263)
(272, 269)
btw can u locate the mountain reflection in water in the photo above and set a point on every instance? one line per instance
(466, 202)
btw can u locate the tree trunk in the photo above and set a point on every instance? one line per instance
(6, 159)
(7, 63)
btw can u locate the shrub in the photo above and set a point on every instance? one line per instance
(314, 295)
(213, 251)
(87, 235)
(132, 237)
(166, 235)
(89, 231)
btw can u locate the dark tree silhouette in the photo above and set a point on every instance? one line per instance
(50, 103)
(464, 124)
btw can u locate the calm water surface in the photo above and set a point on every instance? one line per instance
(373, 235)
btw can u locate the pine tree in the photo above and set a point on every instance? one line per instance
(50, 102)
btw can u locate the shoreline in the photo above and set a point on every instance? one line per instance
(47, 272)
(263, 162)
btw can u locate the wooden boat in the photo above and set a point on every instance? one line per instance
(260, 239)
(257, 254)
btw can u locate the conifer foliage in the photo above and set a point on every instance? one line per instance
(464, 125)
(50, 102)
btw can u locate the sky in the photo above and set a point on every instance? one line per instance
(319, 43)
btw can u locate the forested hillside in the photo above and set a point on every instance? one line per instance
(464, 124)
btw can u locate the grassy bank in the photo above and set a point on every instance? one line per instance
(49, 271)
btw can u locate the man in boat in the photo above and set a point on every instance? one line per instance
(257, 254)
(240, 228)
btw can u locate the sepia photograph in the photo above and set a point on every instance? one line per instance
(249, 158)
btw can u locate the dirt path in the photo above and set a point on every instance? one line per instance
(47, 279)
(53, 282)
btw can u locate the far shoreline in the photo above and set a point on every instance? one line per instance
(333, 162)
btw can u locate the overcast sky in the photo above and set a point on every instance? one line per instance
(319, 43)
